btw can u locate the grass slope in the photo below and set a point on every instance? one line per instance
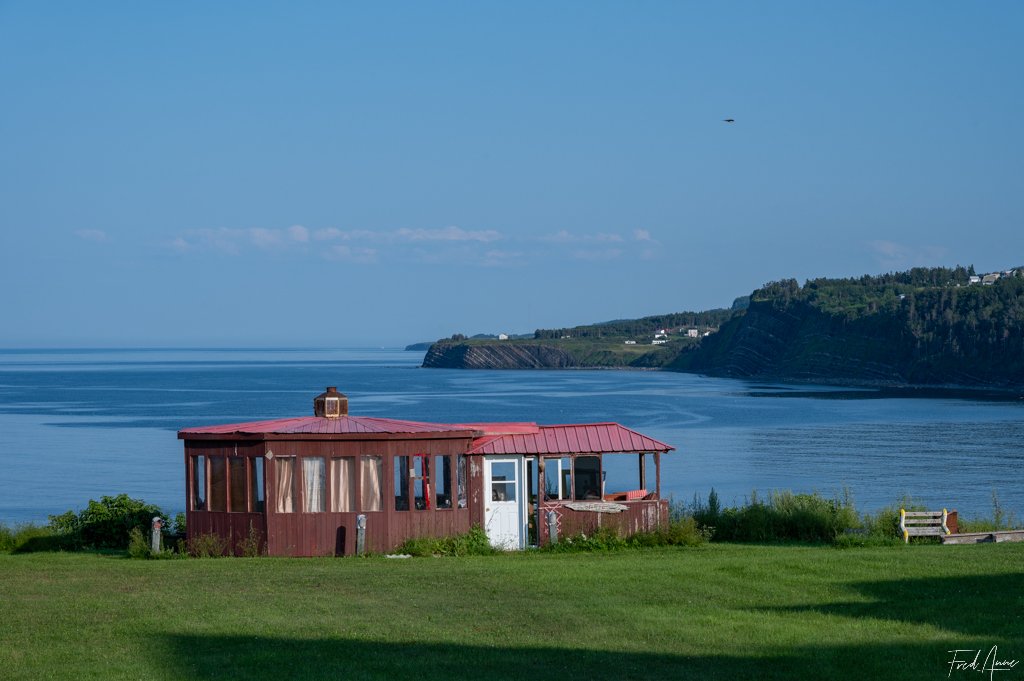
(716, 612)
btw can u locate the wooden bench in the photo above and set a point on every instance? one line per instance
(923, 524)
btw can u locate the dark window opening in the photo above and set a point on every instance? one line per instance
(587, 478)
(218, 497)
(443, 481)
(237, 485)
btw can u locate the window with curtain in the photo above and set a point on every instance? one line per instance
(199, 483)
(237, 484)
(284, 490)
(343, 485)
(314, 484)
(372, 483)
(218, 484)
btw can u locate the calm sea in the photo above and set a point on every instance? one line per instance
(77, 424)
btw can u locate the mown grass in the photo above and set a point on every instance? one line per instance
(720, 611)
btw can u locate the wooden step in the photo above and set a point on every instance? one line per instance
(984, 537)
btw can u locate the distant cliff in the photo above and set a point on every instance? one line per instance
(550, 354)
(504, 355)
(927, 326)
(923, 327)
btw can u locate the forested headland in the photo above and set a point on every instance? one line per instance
(925, 326)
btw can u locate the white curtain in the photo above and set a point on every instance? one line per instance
(285, 484)
(314, 478)
(373, 475)
(343, 485)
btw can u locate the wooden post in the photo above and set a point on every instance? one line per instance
(657, 471)
(360, 534)
(541, 482)
(154, 543)
(643, 471)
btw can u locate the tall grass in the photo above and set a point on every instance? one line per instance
(1000, 520)
(21, 537)
(777, 516)
(785, 516)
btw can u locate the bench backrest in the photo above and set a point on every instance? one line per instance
(923, 523)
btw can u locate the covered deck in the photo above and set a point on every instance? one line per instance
(567, 488)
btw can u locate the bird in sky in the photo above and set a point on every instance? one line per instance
(728, 120)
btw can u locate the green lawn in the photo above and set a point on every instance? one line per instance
(718, 611)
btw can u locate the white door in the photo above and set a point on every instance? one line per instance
(502, 513)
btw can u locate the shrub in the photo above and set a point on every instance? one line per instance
(679, 532)
(604, 539)
(472, 543)
(252, 546)
(138, 545)
(28, 537)
(179, 525)
(207, 546)
(105, 524)
(1000, 520)
(780, 516)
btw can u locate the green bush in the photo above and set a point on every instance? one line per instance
(27, 537)
(253, 545)
(679, 532)
(472, 543)
(1000, 520)
(604, 539)
(104, 524)
(207, 546)
(138, 545)
(781, 516)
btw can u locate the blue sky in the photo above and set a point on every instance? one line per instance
(376, 174)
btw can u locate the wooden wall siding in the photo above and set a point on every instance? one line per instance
(312, 534)
(329, 534)
(640, 516)
(334, 534)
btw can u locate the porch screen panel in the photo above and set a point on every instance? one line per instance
(218, 484)
(237, 483)
(373, 483)
(314, 484)
(343, 485)
(284, 490)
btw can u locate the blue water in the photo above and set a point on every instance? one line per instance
(77, 424)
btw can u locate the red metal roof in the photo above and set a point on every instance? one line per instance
(589, 438)
(316, 425)
(490, 438)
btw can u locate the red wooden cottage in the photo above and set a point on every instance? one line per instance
(335, 484)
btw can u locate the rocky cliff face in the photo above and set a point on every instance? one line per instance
(799, 341)
(497, 356)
